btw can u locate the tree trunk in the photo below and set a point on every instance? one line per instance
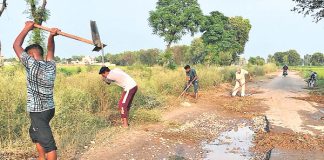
(39, 15)
(3, 7)
(169, 45)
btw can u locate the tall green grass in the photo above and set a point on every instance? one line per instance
(306, 71)
(85, 105)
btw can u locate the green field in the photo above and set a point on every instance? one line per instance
(306, 71)
(86, 105)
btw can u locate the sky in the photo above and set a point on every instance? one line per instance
(123, 25)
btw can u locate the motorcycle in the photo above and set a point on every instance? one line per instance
(311, 82)
(285, 73)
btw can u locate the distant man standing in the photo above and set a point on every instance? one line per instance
(240, 81)
(192, 79)
(40, 84)
(129, 85)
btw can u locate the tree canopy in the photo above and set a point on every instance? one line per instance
(291, 57)
(317, 59)
(257, 61)
(173, 19)
(315, 8)
(224, 35)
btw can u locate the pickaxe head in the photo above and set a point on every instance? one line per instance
(96, 37)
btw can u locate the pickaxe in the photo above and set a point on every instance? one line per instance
(95, 37)
(188, 86)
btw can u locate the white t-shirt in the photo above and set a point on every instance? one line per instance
(122, 79)
(241, 76)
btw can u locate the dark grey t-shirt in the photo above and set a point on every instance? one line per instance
(191, 74)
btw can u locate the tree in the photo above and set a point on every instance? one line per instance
(173, 19)
(77, 58)
(197, 52)
(317, 59)
(242, 28)
(271, 59)
(315, 8)
(279, 58)
(39, 14)
(293, 58)
(179, 53)
(252, 60)
(149, 57)
(290, 57)
(57, 59)
(225, 58)
(257, 61)
(307, 60)
(166, 59)
(223, 34)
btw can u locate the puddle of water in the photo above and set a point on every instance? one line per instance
(321, 110)
(233, 144)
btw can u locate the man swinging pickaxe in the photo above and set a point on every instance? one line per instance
(192, 80)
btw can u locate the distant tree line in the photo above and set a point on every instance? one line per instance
(291, 58)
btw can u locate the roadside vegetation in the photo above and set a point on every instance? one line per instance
(306, 71)
(85, 104)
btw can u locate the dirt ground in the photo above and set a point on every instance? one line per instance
(287, 105)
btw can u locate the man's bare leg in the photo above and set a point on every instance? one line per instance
(52, 155)
(41, 152)
(125, 122)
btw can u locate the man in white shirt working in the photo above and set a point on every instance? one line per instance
(123, 80)
(240, 81)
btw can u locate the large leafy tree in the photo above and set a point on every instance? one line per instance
(224, 35)
(317, 59)
(291, 57)
(257, 61)
(38, 12)
(315, 8)
(173, 19)
(241, 28)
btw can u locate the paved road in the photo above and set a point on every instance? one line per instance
(287, 112)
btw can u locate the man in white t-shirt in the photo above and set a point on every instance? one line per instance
(240, 81)
(123, 80)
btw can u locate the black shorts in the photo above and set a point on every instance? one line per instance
(40, 130)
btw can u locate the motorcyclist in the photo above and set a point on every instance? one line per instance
(313, 76)
(285, 70)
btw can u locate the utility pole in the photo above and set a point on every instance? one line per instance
(1, 57)
(3, 7)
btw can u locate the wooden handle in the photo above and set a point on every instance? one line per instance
(65, 34)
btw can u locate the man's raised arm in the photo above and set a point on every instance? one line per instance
(51, 44)
(17, 46)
